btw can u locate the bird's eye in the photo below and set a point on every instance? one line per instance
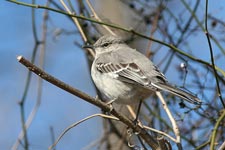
(105, 45)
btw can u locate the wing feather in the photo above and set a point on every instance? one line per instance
(127, 71)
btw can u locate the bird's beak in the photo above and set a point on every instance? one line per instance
(88, 46)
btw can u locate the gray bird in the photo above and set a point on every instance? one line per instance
(126, 76)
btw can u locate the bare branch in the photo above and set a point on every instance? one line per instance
(172, 120)
(160, 132)
(214, 133)
(77, 123)
(78, 26)
(26, 124)
(212, 56)
(222, 147)
(97, 18)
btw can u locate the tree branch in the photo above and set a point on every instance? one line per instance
(213, 137)
(212, 56)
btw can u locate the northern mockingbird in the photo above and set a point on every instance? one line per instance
(126, 76)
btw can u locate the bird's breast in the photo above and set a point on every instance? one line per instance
(117, 90)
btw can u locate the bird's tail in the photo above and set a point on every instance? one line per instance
(178, 92)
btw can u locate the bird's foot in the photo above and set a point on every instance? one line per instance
(110, 104)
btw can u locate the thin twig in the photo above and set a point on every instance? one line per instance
(52, 136)
(77, 123)
(160, 132)
(131, 111)
(172, 120)
(98, 18)
(222, 147)
(153, 29)
(24, 129)
(25, 125)
(213, 137)
(200, 147)
(77, 23)
(33, 112)
(212, 56)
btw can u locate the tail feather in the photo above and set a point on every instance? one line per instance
(178, 92)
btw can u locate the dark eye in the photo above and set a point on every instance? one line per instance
(105, 45)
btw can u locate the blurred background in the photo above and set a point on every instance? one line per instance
(169, 21)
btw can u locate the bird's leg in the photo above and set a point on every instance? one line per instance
(107, 103)
(96, 97)
(137, 113)
(110, 104)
